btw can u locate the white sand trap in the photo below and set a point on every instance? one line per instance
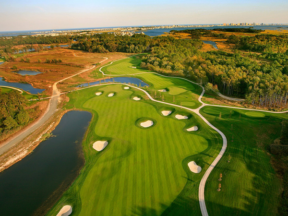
(162, 90)
(194, 128)
(194, 167)
(111, 95)
(134, 67)
(100, 145)
(146, 124)
(98, 93)
(126, 87)
(166, 112)
(181, 117)
(65, 211)
(136, 98)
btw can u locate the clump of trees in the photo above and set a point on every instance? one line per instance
(53, 61)
(12, 112)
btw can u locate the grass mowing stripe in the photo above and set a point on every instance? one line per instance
(158, 172)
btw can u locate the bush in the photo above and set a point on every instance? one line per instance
(279, 149)
(14, 67)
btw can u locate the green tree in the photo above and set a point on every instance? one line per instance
(284, 133)
(22, 117)
(10, 123)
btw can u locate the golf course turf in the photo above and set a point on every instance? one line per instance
(249, 183)
(144, 171)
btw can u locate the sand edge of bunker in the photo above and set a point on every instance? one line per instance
(100, 145)
(65, 211)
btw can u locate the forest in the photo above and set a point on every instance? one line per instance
(19, 40)
(138, 43)
(12, 111)
(261, 43)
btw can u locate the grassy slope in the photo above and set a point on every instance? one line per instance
(249, 185)
(141, 171)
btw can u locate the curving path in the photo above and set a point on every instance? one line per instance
(196, 111)
(12, 88)
(51, 109)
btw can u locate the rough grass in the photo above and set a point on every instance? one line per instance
(141, 171)
(249, 183)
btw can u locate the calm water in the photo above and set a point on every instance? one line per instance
(212, 43)
(1, 63)
(127, 80)
(24, 86)
(30, 73)
(45, 47)
(157, 32)
(52, 167)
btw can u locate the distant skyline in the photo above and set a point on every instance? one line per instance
(17, 15)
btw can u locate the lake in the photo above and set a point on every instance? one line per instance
(126, 80)
(24, 86)
(31, 186)
(30, 73)
(212, 43)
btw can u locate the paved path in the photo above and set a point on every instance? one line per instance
(12, 88)
(51, 109)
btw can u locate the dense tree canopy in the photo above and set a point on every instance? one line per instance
(12, 112)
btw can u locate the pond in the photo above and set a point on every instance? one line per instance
(211, 42)
(1, 63)
(24, 86)
(31, 186)
(127, 80)
(30, 73)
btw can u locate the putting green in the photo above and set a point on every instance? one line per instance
(255, 114)
(126, 65)
(141, 171)
(173, 90)
(188, 104)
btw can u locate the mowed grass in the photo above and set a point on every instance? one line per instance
(141, 171)
(125, 66)
(179, 89)
(249, 183)
(174, 90)
(5, 90)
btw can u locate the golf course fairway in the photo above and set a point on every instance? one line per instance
(142, 169)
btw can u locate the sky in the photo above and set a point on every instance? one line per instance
(18, 15)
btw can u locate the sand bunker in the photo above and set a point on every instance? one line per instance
(65, 211)
(98, 93)
(194, 167)
(162, 90)
(100, 145)
(166, 112)
(194, 128)
(181, 117)
(126, 87)
(146, 124)
(111, 95)
(136, 98)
